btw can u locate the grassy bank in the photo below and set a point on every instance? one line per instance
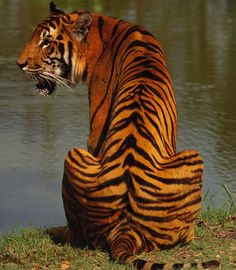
(31, 248)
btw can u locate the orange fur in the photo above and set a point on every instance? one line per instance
(131, 191)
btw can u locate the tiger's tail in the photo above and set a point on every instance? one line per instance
(146, 265)
(125, 247)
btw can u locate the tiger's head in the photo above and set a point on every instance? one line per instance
(55, 52)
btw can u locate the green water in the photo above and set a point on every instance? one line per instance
(35, 133)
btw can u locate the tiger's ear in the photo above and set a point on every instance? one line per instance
(54, 10)
(82, 25)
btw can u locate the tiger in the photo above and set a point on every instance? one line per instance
(130, 192)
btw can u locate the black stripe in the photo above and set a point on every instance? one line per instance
(157, 266)
(132, 162)
(159, 195)
(100, 27)
(151, 230)
(144, 44)
(211, 264)
(169, 197)
(68, 17)
(170, 91)
(64, 19)
(177, 266)
(106, 199)
(155, 92)
(105, 128)
(75, 178)
(67, 185)
(154, 122)
(57, 20)
(70, 184)
(149, 63)
(52, 25)
(187, 163)
(108, 147)
(61, 49)
(139, 264)
(107, 170)
(155, 218)
(126, 108)
(59, 37)
(70, 54)
(82, 157)
(76, 162)
(143, 182)
(115, 28)
(125, 91)
(182, 159)
(85, 74)
(184, 206)
(175, 181)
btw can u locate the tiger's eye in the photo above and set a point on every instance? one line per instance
(46, 41)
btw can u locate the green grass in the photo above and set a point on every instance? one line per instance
(31, 248)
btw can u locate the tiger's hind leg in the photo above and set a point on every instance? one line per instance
(80, 177)
(61, 235)
(183, 180)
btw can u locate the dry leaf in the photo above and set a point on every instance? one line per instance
(64, 265)
(231, 218)
(36, 266)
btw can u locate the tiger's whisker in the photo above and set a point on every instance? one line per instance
(57, 79)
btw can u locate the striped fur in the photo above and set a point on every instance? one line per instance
(130, 192)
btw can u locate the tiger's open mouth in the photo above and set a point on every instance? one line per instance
(45, 87)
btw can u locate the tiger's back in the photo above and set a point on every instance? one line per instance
(131, 191)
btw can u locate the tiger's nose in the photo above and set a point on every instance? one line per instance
(22, 65)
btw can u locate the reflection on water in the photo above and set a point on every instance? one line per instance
(36, 133)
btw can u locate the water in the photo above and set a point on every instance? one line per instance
(36, 133)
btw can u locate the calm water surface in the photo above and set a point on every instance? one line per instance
(36, 133)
